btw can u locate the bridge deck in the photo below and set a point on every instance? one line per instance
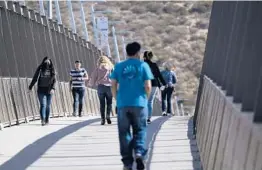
(83, 144)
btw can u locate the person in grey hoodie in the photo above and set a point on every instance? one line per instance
(100, 79)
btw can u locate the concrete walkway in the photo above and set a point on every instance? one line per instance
(83, 144)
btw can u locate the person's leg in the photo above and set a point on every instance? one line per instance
(81, 99)
(109, 100)
(138, 122)
(169, 99)
(163, 97)
(75, 96)
(48, 104)
(151, 102)
(125, 140)
(42, 101)
(102, 101)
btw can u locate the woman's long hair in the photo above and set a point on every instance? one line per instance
(104, 61)
(42, 66)
(148, 55)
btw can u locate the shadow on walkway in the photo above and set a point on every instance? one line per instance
(152, 132)
(34, 151)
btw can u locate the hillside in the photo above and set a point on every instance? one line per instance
(175, 31)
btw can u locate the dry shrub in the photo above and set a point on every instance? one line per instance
(202, 24)
(172, 8)
(154, 7)
(201, 7)
(138, 9)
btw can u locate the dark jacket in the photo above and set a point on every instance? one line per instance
(45, 78)
(158, 79)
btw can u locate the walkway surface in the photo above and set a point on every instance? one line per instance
(83, 144)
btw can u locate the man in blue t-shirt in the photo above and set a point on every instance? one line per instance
(131, 86)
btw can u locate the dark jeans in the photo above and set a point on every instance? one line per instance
(78, 95)
(105, 98)
(136, 118)
(167, 97)
(45, 102)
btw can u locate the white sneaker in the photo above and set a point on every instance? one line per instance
(164, 114)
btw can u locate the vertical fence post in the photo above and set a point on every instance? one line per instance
(83, 20)
(58, 14)
(70, 8)
(115, 44)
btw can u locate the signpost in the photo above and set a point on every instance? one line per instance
(102, 27)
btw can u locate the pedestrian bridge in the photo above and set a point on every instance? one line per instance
(227, 119)
(82, 143)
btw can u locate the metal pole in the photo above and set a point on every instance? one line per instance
(42, 8)
(58, 14)
(177, 108)
(83, 20)
(50, 9)
(115, 43)
(73, 25)
(124, 47)
(94, 25)
(108, 50)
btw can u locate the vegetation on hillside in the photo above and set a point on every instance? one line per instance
(175, 31)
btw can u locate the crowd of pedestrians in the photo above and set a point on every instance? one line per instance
(133, 83)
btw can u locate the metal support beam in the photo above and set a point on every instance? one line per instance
(94, 25)
(50, 9)
(83, 21)
(58, 14)
(73, 25)
(42, 8)
(124, 47)
(115, 44)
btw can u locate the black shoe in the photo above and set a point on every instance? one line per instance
(103, 122)
(140, 164)
(108, 121)
(42, 122)
(80, 115)
(127, 168)
(148, 121)
(47, 122)
(74, 114)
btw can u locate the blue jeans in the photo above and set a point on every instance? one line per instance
(167, 98)
(105, 98)
(78, 95)
(151, 101)
(136, 118)
(45, 102)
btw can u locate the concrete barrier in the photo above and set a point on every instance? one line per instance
(227, 137)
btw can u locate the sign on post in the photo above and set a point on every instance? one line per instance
(102, 27)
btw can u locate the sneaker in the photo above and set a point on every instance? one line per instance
(47, 122)
(148, 121)
(103, 122)
(74, 114)
(164, 114)
(108, 121)
(80, 115)
(42, 122)
(140, 165)
(127, 168)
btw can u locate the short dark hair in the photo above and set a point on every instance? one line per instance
(77, 61)
(133, 48)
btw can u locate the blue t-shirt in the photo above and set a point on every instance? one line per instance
(131, 76)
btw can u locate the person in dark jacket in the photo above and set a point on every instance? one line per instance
(45, 78)
(156, 82)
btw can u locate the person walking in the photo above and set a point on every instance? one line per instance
(131, 86)
(101, 79)
(166, 95)
(158, 81)
(45, 78)
(78, 77)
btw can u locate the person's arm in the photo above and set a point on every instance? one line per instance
(114, 82)
(148, 76)
(114, 88)
(159, 76)
(174, 78)
(148, 88)
(93, 78)
(85, 78)
(53, 83)
(35, 78)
